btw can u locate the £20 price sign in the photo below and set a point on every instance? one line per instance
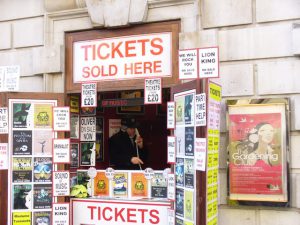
(89, 95)
(152, 91)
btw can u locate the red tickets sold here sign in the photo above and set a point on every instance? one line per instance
(127, 57)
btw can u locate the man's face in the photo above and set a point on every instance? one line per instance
(131, 132)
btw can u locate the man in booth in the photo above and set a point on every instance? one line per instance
(126, 148)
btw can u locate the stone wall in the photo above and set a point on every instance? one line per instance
(259, 43)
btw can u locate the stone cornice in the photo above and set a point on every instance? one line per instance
(164, 3)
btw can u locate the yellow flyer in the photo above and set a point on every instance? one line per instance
(74, 104)
(43, 115)
(139, 185)
(101, 185)
(188, 205)
(21, 218)
(120, 184)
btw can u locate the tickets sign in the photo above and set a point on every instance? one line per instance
(152, 91)
(89, 95)
(121, 212)
(127, 57)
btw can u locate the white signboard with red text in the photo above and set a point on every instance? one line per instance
(127, 57)
(3, 156)
(121, 212)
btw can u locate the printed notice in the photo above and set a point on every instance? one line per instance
(3, 156)
(171, 186)
(200, 111)
(3, 120)
(88, 129)
(61, 118)
(188, 64)
(171, 115)
(61, 150)
(171, 149)
(209, 62)
(152, 91)
(60, 213)
(61, 183)
(200, 154)
(89, 95)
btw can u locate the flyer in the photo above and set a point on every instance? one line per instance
(42, 196)
(185, 108)
(139, 185)
(188, 205)
(74, 155)
(171, 149)
(22, 195)
(74, 104)
(189, 141)
(42, 169)
(171, 186)
(61, 183)
(99, 139)
(200, 154)
(61, 214)
(159, 186)
(22, 169)
(43, 115)
(87, 128)
(171, 115)
(21, 218)
(42, 142)
(120, 184)
(22, 142)
(61, 150)
(74, 126)
(3, 120)
(61, 118)
(87, 153)
(82, 177)
(179, 172)
(101, 184)
(21, 115)
(179, 133)
(179, 203)
(43, 218)
(189, 173)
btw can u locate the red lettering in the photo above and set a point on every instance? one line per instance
(155, 216)
(157, 46)
(104, 214)
(128, 68)
(157, 67)
(138, 68)
(92, 211)
(143, 41)
(99, 51)
(115, 49)
(86, 47)
(119, 214)
(143, 214)
(128, 48)
(147, 66)
(85, 72)
(95, 71)
(130, 214)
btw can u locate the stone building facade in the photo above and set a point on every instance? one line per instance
(259, 45)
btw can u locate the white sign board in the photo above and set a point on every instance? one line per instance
(61, 213)
(171, 115)
(89, 95)
(153, 92)
(171, 186)
(128, 57)
(200, 154)
(188, 64)
(209, 62)
(61, 150)
(61, 118)
(88, 128)
(9, 78)
(200, 110)
(3, 156)
(171, 149)
(61, 183)
(120, 212)
(114, 126)
(171, 217)
(3, 120)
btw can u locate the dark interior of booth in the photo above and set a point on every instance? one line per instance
(151, 119)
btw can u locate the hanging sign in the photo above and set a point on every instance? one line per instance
(200, 154)
(171, 186)
(61, 118)
(152, 93)
(188, 64)
(88, 129)
(3, 120)
(61, 213)
(200, 110)
(9, 78)
(209, 62)
(89, 95)
(170, 115)
(3, 156)
(61, 183)
(61, 150)
(171, 149)
(127, 57)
